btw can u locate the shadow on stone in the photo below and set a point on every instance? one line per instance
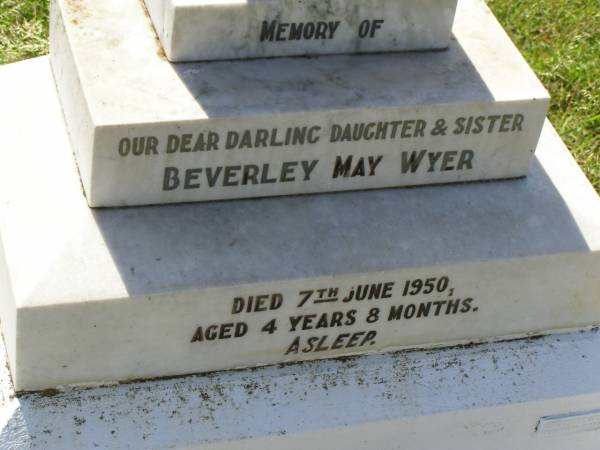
(163, 248)
(332, 83)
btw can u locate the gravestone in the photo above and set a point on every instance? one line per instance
(194, 30)
(94, 295)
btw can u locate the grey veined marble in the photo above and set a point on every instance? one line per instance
(197, 30)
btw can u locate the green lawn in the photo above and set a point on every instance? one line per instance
(23, 29)
(559, 38)
(561, 41)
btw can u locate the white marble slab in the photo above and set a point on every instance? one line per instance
(200, 30)
(103, 295)
(493, 396)
(146, 131)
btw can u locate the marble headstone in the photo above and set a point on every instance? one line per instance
(146, 131)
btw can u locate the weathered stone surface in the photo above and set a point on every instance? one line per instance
(221, 130)
(198, 30)
(492, 396)
(102, 295)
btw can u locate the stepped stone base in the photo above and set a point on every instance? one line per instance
(146, 131)
(106, 295)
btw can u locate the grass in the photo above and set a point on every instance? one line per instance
(23, 29)
(559, 38)
(561, 41)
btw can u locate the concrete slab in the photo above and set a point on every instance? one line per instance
(146, 131)
(105, 295)
(199, 30)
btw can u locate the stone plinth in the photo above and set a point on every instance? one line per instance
(146, 131)
(106, 295)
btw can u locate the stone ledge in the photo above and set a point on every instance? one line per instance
(487, 396)
(105, 295)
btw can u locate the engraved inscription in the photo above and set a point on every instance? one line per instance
(203, 160)
(336, 319)
(278, 31)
